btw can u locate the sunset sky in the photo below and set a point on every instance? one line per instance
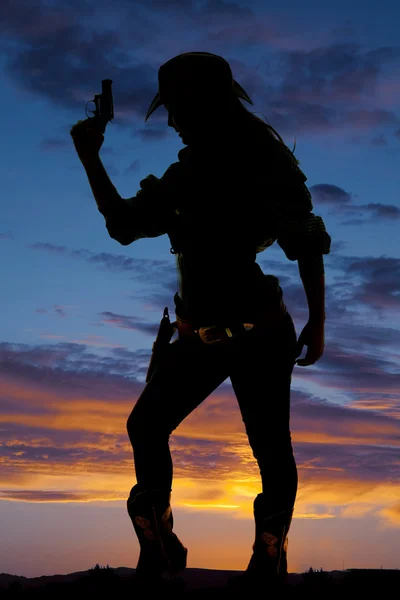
(80, 311)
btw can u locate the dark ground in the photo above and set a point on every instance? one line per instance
(197, 583)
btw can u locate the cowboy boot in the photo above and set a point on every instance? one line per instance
(162, 554)
(268, 563)
(269, 558)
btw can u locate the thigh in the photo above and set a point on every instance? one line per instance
(189, 373)
(261, 378)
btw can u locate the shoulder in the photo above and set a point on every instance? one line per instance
(285, 161)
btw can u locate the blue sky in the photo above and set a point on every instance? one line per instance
(80, 311)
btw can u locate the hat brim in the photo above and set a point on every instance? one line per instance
(236, 87)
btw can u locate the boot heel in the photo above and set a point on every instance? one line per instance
(177, 557)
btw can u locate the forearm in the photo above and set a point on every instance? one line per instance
(313, 278)
(103, 190)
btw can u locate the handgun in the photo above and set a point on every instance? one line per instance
(104, 111)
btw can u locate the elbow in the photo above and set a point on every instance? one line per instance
(124, 241)
(119, 237)
(119, 233)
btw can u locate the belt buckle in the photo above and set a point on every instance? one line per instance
(202, 331)
(203, 334)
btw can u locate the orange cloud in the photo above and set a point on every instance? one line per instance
(71, 445)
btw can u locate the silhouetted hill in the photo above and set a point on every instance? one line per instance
(208, 583)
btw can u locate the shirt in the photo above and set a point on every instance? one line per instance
(220, 205)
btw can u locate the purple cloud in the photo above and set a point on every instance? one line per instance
(72, 368)
(126, 322)
(320, 89)
(356, 441)
(326, 193)
(382, 211)
(151, 134)
(144, 269)
(51, 144)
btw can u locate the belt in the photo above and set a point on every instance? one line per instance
(211, 334)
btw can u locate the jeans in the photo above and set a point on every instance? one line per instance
(259, 365)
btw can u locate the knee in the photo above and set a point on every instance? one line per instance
(145, 428)
(135, 426)
(272, 444)
(131, 425)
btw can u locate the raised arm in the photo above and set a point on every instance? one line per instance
(145, 215)
(103, 190)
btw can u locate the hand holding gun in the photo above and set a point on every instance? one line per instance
(104, 106)
(88, 135)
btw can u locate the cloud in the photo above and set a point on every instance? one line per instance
(363, 213)
(63, 411)
(329, 439)
(366, 282)
(143, 269)
(379, 285)
(175, 5)
(346, 368)
(324, 89)
(72, 366)
(59, 497)
(158, 278)
(343, 69)
(134, 167)
(127, 322)
(369, 282)
(368, 119)
(326, 193)
(152, 134)
(66, 54)
(382, 211)
(53, 52)
(392, 513)
(51, 144)
(36, 19)
(59, 311)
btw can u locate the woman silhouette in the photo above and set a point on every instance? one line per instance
(235, 190)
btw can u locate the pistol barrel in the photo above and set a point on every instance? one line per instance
(106, 104)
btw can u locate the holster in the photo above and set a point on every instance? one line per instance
(160, 346)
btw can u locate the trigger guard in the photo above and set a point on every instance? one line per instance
(92, 111)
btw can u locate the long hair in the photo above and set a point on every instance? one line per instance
(263, 128)
(228, 111)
